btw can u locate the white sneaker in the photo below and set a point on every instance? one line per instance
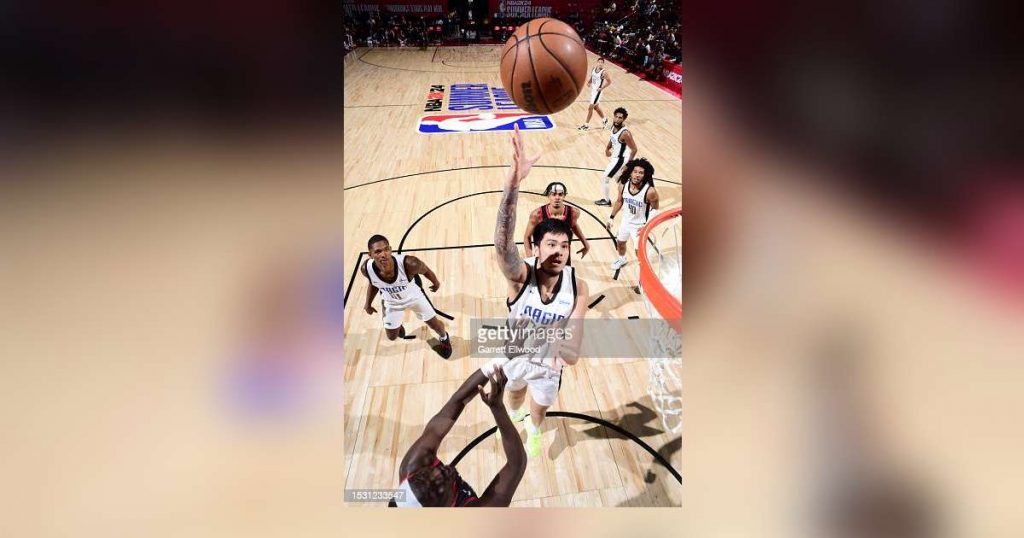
(618, 264)
(604, 123)
(584, 127)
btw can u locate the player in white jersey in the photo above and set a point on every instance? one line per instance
(598, 81)
(620, 149)
(638, 195)
(395, 276)
(543, 292)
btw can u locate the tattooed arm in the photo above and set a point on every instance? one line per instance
(511, 263)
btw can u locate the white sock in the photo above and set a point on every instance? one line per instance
(606, 181)
(622, 258)
(445, 337)
(532, 428)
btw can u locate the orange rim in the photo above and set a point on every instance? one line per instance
(666, 305)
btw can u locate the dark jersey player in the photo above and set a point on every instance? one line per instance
(425, 481)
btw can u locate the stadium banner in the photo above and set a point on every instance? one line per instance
(673, 74)
(410, 7)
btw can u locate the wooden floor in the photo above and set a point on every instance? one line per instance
(436, 196)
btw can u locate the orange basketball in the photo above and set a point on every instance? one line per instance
(544, 66)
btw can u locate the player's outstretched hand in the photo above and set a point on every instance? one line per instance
(521, 164)
(370, 309)
(435, 287)
(583, 252)
(494, 398)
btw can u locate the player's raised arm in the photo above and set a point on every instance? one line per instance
(501, 490)
(439, 426)
(511, 263)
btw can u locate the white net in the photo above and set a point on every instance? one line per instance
(664, 255)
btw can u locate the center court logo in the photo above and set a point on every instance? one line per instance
(485, 122)
(482, 108)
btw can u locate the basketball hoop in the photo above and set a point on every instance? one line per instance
(661, 284)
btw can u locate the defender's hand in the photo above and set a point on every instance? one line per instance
(494, 399)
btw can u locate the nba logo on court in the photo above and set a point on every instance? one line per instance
(484, 122)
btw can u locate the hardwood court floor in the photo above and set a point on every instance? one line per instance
(435, 196)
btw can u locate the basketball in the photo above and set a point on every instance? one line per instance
(544, 66)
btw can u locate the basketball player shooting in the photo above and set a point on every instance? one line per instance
(556, 209)
(428, 482)
(598, 81)
(638, 195)
(620, 148)
(394, 276)
(543, 292)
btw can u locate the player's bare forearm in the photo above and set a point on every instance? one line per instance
(508, 255)
(510, 442)
(501, 490)
(427, 272)
(442, 422)
(371, 292)
(463, 395)
(617, 206)
(579, 234)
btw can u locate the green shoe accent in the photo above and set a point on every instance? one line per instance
(534, 444)
(519, 414)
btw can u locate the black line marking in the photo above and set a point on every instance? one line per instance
(419, 283)
(634, 317)
(408, 337)
(491, 65)
(359, 260)
(360, 59)
(615, 427)
(598, 300)
(490, 327)
(575, 85)
(434, 56)
(453, 247)
(479, 245)
(616, 275)
(435, 208)
(486, 166)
